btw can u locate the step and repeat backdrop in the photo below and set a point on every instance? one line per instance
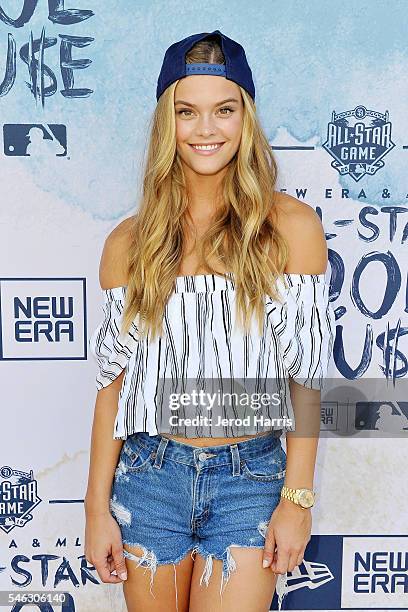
(77, 89)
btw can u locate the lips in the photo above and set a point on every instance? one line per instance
(207, 151)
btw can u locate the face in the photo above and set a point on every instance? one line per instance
(209, 111)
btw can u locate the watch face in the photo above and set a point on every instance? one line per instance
(306, 498)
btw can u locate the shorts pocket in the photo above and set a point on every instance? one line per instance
(137, 459)
(266, 467)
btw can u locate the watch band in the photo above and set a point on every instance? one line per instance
(305, 498)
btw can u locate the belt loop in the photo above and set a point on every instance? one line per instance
(235, 459)
(160, 452)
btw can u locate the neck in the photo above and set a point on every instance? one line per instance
(204, 193)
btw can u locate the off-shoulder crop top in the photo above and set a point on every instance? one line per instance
(200, 344)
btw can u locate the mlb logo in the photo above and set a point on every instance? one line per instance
(386, 416)
(35, 139)
(42, 318)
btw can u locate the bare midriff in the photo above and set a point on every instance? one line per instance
(212, 441)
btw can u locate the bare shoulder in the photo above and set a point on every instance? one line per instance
(302, 228)
(113, 264)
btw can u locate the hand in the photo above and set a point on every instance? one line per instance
(104, 547)
(289, 530)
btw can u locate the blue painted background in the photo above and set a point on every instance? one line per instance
(308, 58)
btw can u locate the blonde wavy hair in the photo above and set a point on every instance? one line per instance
(243, 233)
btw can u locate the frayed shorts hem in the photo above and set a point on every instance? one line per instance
(149, 561)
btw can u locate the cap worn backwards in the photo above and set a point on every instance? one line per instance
(236, 67)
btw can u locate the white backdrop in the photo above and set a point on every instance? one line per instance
(68, 183)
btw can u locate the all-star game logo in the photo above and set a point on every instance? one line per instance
(18, 497)
(358, 140)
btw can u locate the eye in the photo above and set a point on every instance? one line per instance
(224, 108)
(227, 108)
(183, 110)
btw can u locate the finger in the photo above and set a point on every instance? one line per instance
(300, 558)
(292, 563)
(119, 561)
(274, 560)
(102, 567)
(281, 565)
(269, 550)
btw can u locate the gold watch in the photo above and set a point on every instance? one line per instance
(302, 497)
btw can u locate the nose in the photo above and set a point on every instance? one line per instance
(206, 126)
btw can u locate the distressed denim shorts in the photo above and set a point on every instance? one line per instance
(171, 498)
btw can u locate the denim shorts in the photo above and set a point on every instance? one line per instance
(170, 498)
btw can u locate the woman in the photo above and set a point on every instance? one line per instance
(191, 287)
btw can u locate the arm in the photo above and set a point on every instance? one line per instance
(290, 524)
(102, 534)
(308, 254)
(105, 450)
(301, 450)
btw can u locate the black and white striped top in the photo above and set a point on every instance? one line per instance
(201, 348)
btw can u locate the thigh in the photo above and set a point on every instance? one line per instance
(169, 591)
(250, 587)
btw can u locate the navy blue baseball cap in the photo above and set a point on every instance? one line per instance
(236, 67)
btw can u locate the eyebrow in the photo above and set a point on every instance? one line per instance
(194, 106)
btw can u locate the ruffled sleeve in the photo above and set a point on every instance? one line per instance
(111, 349)
(305, 327)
